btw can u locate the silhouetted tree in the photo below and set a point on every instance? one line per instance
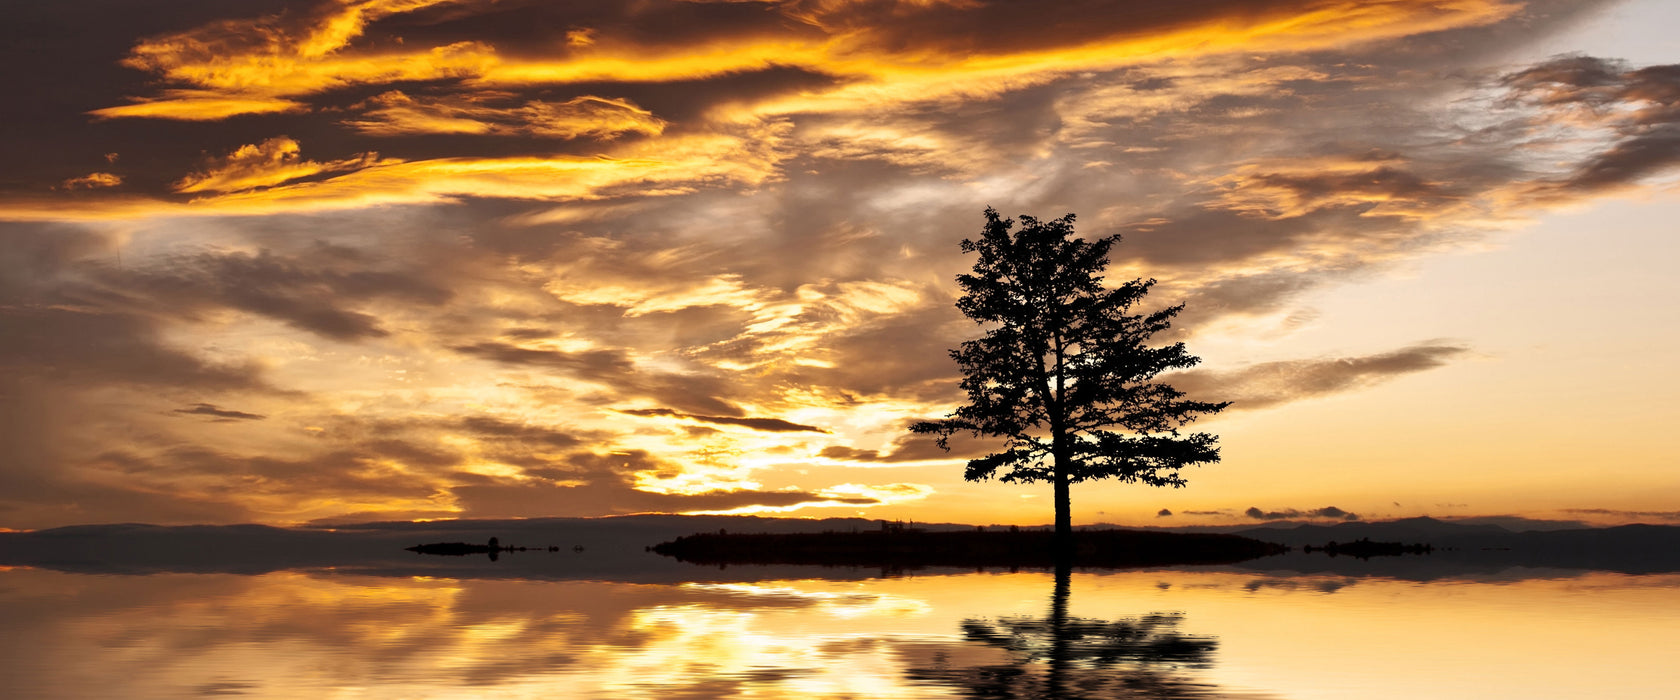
(1065, 371)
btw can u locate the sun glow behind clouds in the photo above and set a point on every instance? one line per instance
(426, 258)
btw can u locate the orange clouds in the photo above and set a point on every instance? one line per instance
(877, 59)
(92, 181)
(395, 113)
(265, 64)
(367, 182)
(201, 105)
(273, 162)
(291, 53)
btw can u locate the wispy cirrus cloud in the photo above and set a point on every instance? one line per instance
(1272, 383)
(395, 113)
(767, 424)
(214, 411)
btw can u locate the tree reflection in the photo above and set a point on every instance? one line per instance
(1059, 656)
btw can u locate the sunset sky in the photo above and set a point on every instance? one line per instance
(350, 260)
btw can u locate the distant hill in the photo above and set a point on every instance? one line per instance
(1423, 529)
(1629, 548)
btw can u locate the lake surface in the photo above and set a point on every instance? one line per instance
(818, 633)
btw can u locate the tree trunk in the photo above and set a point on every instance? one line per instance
(1064, 515)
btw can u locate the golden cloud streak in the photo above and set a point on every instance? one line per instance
(200, 105)
(587, 116)
(693, 161)
(272, 162)
(92, 181)
(671, 165)
(255, 65)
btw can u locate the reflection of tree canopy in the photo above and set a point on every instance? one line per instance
(1069, 657)
(1151, 639)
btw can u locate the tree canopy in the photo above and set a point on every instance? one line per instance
(1066, 370)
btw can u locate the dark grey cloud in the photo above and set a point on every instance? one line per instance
(775, 425)
(210, 409)
(1238, 296)
(48, 484)
(82, 346)
(1164, 513)
(588, 364)
(1665, 515)
(528, 333)
(843, 452)
(524, 434)
(911, 447)
(1330, 512)
(1272, 383)
(309, 291)
(1639, 107)
(80, 315)
(75, 500)
(430, 445)
(351, 471)
(701, 394)
(904, 354)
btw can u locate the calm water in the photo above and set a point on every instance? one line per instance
(1132, 634)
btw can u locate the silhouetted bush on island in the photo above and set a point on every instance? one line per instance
(459, 549)
(911, 548)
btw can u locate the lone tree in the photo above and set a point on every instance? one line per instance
(1065, 370)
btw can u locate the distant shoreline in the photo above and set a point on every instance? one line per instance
(991, 548)
(618, 548)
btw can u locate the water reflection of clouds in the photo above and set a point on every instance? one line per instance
(1319, 585)
(294, 635)
(778, 639)
(692, 647)
(847, 604)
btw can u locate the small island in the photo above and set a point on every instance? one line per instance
(461, 549)
(910, 548)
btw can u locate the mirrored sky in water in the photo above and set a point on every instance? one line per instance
(1201, 634)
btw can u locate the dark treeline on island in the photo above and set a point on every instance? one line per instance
(909, 548)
